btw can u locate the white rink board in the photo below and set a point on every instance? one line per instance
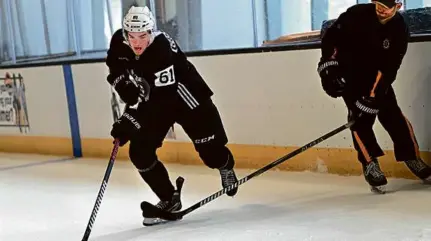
(272, 98)
(93, 100)
(42, 102)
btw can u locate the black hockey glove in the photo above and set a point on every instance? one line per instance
(367, 105)
(364, 109)
(332, 81)
(131, 90)
(126, 126)
(143, 86)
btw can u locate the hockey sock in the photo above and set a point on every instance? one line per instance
(157, 178)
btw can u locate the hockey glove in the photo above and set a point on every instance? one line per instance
(144, 87)
(367, 106)
(126, 127)
(332, 81)
(131, 90)
(363, 112)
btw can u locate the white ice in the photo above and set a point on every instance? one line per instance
(53, 201)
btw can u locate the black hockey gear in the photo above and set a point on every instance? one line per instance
(367, 105)
(128, 91)
(169, 206)
(375, 176)
(419, 168)
(364, 108)
(228, 178)
(126, 127)
(331, 79)
(144, 87)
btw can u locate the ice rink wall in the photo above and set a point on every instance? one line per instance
(271, 102)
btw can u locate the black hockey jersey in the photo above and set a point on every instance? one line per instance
(164, 66)
(370, 53)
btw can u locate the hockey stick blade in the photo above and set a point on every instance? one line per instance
(151, 211)
(101, 191)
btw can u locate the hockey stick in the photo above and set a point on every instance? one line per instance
(101, 190)
(151, 211)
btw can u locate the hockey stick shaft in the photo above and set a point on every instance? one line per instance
(264, 169)
(101, 190)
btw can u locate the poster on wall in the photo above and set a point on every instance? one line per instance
(117, 106)
(13, 104)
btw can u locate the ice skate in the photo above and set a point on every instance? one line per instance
(375, 177)
(172, 205)
(228, 178)
(420, 169)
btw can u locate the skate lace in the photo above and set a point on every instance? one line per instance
(416, 165)
(228, 177)
(374, 169)
(163, 204)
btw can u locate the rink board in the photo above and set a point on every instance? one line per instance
(34, 114)
(271, 103)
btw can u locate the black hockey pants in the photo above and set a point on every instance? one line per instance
(393, 121)
(204, 127)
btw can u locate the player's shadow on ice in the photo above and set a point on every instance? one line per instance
(200, 221)
(403, 185)
(302, 209)
(207, 219)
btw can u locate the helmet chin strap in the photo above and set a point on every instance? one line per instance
(152, 36)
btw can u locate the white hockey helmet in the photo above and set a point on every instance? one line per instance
(138, 19)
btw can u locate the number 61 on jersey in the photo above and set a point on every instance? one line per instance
(165, 77)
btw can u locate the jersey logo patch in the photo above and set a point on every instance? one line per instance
(386, 44)
(165, 77)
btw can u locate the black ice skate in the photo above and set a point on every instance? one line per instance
(228, 178)
(173, 205)
(375, 177)
(420, 169)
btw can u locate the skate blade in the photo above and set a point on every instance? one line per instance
(378, 189)
(154, 221)
(427, 181)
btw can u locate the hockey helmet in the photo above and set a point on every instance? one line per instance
(138, 19)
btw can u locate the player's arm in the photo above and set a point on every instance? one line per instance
(118, 76)
(390, 66)
(328, 67)
(387, 73)
(335, 35)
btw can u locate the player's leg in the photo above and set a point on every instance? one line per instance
(367, 148)
(143, 155)
(402, 134)
(205, 128)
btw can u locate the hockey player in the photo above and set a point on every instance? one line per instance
(161, 87)
(361, 54)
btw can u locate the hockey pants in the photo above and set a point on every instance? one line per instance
(393, 121)
(203, 126)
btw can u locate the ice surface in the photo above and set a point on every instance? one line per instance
(47, 200)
